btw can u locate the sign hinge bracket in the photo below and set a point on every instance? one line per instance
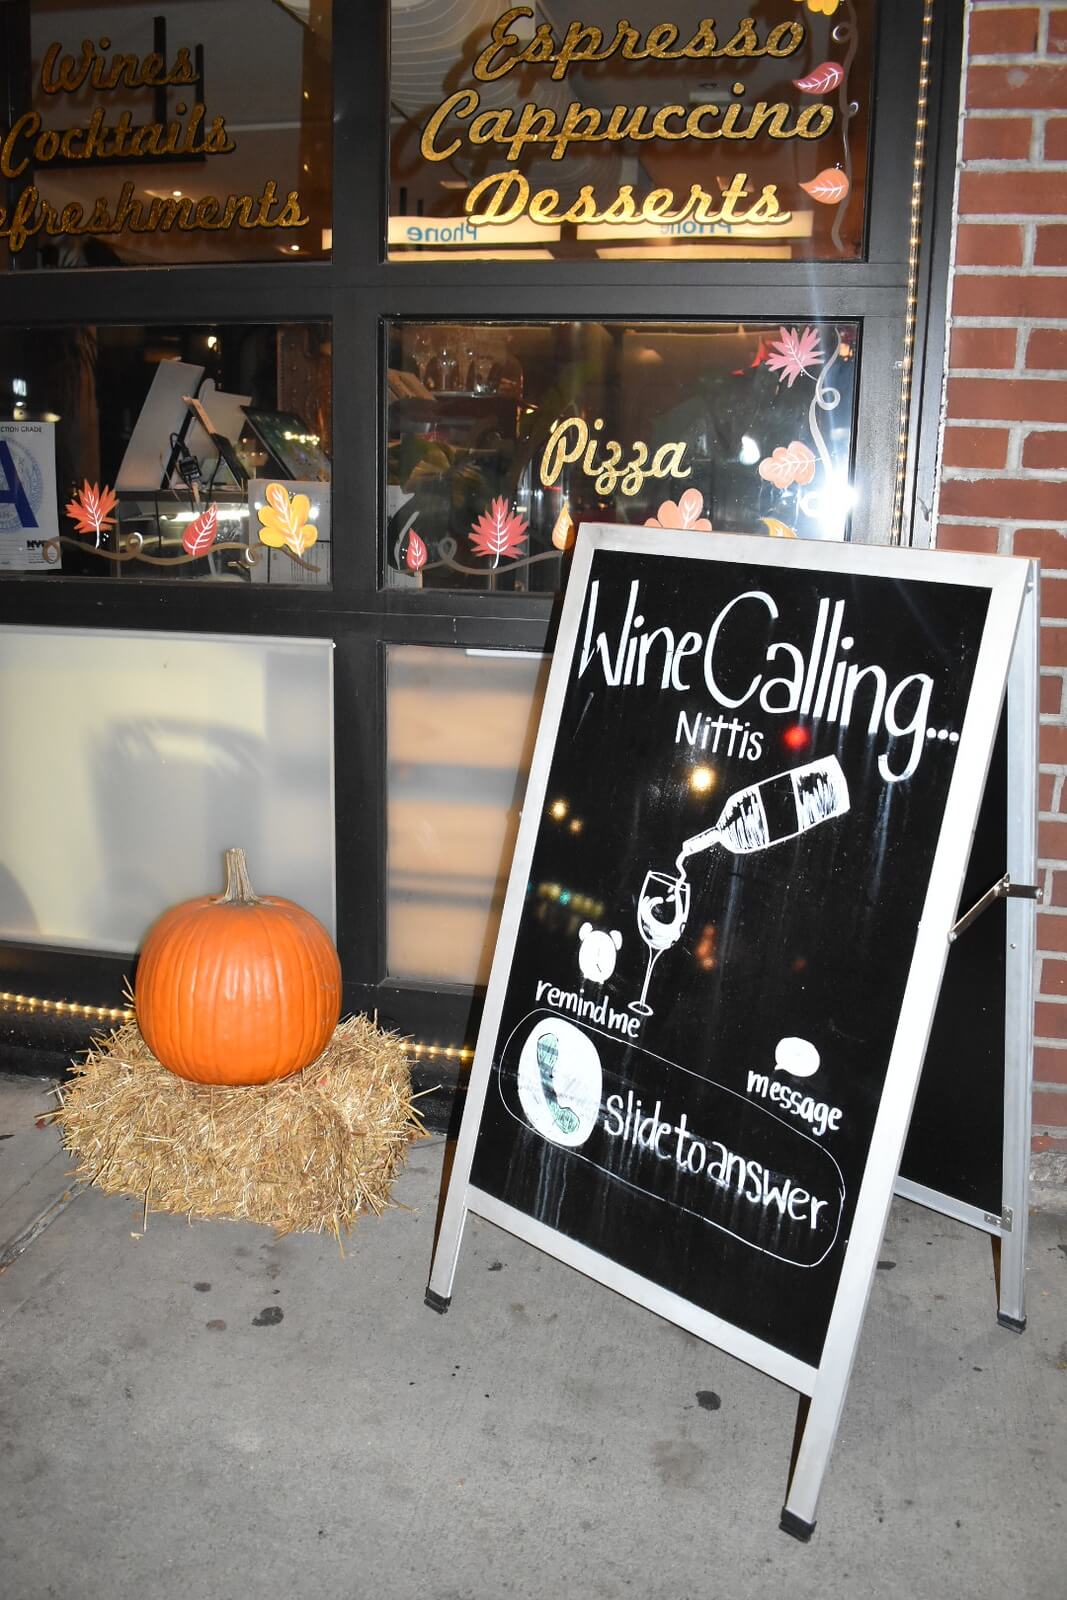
(1005, 1222)
(1003, 889)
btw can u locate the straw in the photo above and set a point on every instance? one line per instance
(307, 1153)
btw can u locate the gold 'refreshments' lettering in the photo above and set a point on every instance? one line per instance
(583, 44)
(32, 215)
(571, 440)
(503, 197)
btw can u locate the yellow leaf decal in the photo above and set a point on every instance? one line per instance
(778, 530)
(284, 521)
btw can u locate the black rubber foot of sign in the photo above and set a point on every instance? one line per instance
(438, 1302)
(1016, 1324)
(790, 1523)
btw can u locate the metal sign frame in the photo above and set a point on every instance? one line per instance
(825, 1385)
(1008, 1229)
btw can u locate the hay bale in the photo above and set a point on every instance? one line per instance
(303, 1154)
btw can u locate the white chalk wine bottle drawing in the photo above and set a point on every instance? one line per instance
(754, 818)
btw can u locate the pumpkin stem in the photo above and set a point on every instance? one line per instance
(239, 890)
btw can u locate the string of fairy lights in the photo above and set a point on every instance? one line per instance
(118, 1014)
(914, 250)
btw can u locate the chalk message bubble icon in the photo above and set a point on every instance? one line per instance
(560, 1081)
(798, 1057)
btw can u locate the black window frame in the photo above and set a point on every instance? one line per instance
(357, 291)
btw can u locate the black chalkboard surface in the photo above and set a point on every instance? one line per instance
(746, 831)
(956, 1139)
(774, 992)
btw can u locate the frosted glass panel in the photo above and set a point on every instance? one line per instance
(461, 728)
(131, 761)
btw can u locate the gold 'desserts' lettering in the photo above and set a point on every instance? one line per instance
(503, 197)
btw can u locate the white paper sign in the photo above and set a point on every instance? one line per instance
(29, 516)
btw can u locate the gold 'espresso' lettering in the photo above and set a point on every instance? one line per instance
(584, 43)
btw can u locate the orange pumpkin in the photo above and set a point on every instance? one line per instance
(237, 989)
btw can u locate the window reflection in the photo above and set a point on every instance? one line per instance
(461, 726)
(503, 438)
(553, 130)
(167, 452)
(172, 131)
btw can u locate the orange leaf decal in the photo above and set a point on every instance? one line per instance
(202, 532)
(498, 532)
(564, 532)
(284, 522)
(794, 463)
(90, 509)
(415, 554)
(830, 186)
(821, 79)
(682, 513)
(778, 530)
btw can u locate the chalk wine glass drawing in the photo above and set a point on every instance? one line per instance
(662, 910)
(763, 814)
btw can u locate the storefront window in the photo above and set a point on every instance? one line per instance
(167, 452)
(172, 131)
(521, 132)
(503, 438)
(132, 761)
(460, 728)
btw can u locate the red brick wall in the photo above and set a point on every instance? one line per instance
(1004, 461)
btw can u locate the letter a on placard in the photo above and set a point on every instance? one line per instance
(11, 491)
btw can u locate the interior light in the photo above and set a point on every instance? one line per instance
(701, 779)
(212, 341)
(558, 810)
(750, 451)
(176, 194)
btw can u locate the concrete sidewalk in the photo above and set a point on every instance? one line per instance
(202, 1412)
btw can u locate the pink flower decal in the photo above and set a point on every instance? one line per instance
(681, 513)
(415, 554)
(793, 463)
(793, 353)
